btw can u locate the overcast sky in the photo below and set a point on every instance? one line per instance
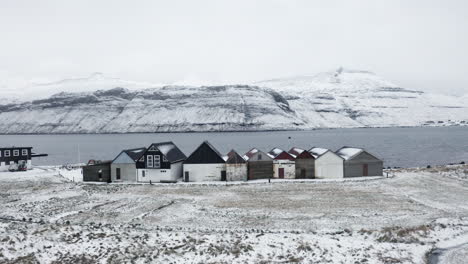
(419, 44)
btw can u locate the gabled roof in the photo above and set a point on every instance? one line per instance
(250, 153)
(317, 152)
(278, 153)
(169, 150)
(299, 153)
(135, 153)
(132, 155)
(348, 153)
(257, 153)
(205, 154)
(295, 151)
(234, 158)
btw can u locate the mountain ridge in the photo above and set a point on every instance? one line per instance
(343, 98)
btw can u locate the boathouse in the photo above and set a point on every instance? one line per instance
(328, 165)
(358, 162)
(163, 162)
(305, 163)
(124, 167)
(205, 164)
(259, 165)
(283, 164)
(236, 167)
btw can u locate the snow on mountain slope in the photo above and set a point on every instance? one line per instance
(171, 108)
(346, 98)
(341, 98)
(30, 90)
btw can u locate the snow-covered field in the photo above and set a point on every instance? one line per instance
(46, 218)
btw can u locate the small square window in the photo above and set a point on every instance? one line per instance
(24, 152)
(16, 152)
(7, 153)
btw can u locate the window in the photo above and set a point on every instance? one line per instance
(149, 161)
(157, 161)
(7, 153)
(143, 173)
(16, 152)
(117, 173)
(259, 156)
(24, 152)
(142, 159)
(165, 159)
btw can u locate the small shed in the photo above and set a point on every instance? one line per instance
(236, 167)
(124, 167)
(328, 165)
(284, 166)
(305, 163)
(98, 171)
(358, 162)
(259, 165)
(205, 164)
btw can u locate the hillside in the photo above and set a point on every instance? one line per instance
(341, 98)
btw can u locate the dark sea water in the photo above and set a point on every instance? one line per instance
(402, 147)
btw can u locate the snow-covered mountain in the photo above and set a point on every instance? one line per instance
(341, 98)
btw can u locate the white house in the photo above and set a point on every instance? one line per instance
(236, 167)
(163, 162)
(328, 165)
(358, 162)
(205, 164)
(283, 164)
(124, 166)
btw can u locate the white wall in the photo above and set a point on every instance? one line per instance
(3, 167)
(204, 172)
(329, 166)
(236, 172)
(288, 166)
(177, 169)
(155, 175)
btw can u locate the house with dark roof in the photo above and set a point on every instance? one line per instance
(162, 162)
(259, 165)
(124, 168)
(328, 165)
(358, 162)
(205, 164)
(305, 163)
(236, 167)
(14, 158)
(284, 165)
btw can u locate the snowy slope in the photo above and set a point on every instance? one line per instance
(341, 98)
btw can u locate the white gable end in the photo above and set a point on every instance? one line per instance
(123, 158)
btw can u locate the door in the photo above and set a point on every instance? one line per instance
(303, 173)
(223, 175)
(365, 170)
(281, 173)
(186, 178)
(117, 173)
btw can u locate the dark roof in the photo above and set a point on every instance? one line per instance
(295, 151)
(135, 153)
(16, 148)
(170, 151)
(205, 154)
(234, 158)
(251, 152)
(279, 154)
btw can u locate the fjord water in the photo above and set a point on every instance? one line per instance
(402, 147)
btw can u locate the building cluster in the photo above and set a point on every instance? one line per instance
(165, 162)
